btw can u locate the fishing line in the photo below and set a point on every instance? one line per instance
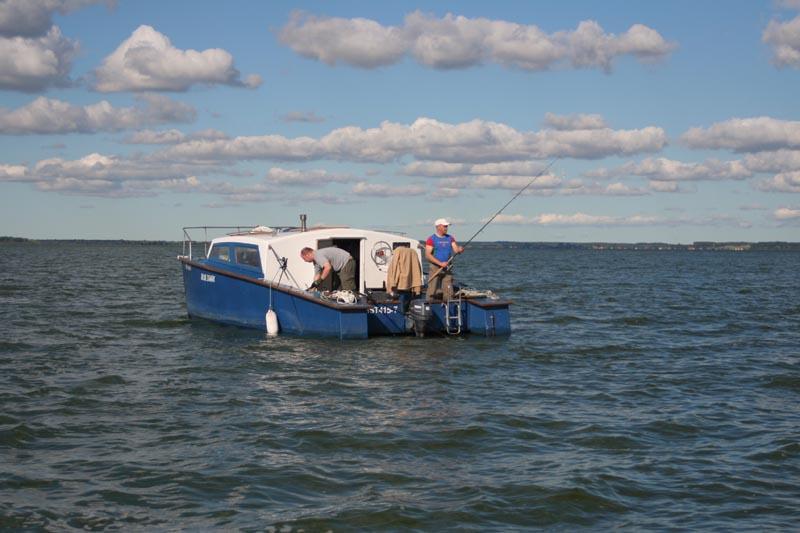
(449, 261)
(545, 169)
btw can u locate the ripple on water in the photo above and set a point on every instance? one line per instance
(650, 392)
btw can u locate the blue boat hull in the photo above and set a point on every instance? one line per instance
(239, 300)
(479, 316)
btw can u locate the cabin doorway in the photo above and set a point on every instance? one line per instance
(351, 246)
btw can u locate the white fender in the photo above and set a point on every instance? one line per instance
(272, 322)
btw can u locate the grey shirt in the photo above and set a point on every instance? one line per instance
(335, 256)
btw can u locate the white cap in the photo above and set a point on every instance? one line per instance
(442, 222)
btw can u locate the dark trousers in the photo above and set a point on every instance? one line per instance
(345, 279)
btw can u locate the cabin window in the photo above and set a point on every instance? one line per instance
(221, 252)
(396, 245)
(247, 256)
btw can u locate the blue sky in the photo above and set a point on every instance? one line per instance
(671, 121)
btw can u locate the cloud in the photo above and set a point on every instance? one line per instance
(324, 198)
(776, 161)
(13, 172)
(787, 214)
(33, 18)
(782, 182)
(147, 61)
(458, 42)
(427, 139)
(358, 42)
(302, 116)
(514, 183)
(784, 38)
(436, 169)
(119, 189)
(173, 136)
(578, 219)
(391, 191)
(575, 122)
(445, 192)
(82, 187)
(577, 187)
(116, 177)
(662, 169)
(48, 116)
(283, 176)
(587, 220)
(187, 184)
(746, 135)
(32, 64)
(115, 168)
(664, 186)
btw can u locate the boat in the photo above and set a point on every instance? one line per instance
(254, 277)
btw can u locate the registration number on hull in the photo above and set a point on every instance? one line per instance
(383, 310)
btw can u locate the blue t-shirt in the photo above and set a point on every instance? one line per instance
(442, 246)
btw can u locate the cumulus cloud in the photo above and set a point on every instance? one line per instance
(358, 42)
(32, 64)
(323, 198)
(577, 187)
(33, 18)
(147, 61)
(391, 191)
(746, 135)
(574, 122)
(776, 161)
(119, 189)
(48, 116)
(318, 177)
(784, 38)
(459, 42)
(97, 166)
(78, 186)
(663, 169)
(584, 219)
(514, 183)
(173, 136)
(471, 155)
(13, 172)
(427, 139)
(578, 219)
(664, 186)
(436, 169)
(787, 214)
(782, 182)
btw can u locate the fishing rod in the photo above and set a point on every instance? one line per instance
(545, 169)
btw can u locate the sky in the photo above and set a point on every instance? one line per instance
(581, 121)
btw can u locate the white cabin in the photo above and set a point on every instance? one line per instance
(274, 254)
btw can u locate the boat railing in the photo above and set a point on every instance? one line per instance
(197, 237)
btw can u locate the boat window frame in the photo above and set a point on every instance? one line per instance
(255, 253)
(221, 246)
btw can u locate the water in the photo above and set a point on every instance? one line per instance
(639, 391)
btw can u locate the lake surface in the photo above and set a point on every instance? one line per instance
(639, 391)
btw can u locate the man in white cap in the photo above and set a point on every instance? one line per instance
(440, 249)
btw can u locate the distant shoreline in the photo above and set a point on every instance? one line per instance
(729, 246)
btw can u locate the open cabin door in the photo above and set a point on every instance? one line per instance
(351, 246)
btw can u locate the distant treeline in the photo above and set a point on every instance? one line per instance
(5, 240)
(639, 246)
(648, 246)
